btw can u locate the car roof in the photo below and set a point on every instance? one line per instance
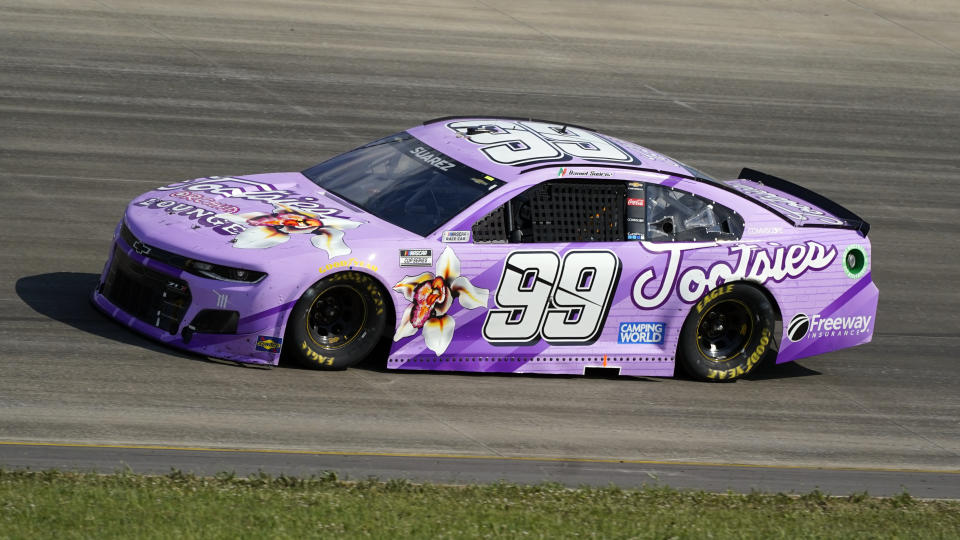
(453, 136)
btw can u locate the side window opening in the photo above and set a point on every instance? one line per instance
(607, 211)
(674, 215)
(559, 211)
(492, 228)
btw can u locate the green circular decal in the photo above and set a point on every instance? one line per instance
(855, 261)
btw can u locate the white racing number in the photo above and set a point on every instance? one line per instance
(524, 291)
(539, 296)
(520, 143)
(507, 142)
(581, 296)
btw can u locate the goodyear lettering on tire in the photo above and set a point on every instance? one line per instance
(713, 295)
(755, 356)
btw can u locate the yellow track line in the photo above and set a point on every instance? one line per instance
(467, 456)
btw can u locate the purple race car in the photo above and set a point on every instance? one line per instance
(493, 244)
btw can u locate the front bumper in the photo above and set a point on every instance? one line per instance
(163, 302)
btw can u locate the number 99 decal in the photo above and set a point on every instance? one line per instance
(520, 143)
(561, 301)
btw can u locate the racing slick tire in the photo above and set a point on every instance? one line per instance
(337, 322)
(727, 333)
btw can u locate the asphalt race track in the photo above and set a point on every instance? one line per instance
(102, 100)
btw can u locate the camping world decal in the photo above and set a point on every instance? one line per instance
(641, 333)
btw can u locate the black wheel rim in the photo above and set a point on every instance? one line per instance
(724, 330)
(336, 317)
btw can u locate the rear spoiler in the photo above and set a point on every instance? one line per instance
(796, 204)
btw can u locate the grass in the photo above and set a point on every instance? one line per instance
(54, 504)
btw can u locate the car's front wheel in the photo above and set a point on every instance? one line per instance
(337, 322)
(727, 333)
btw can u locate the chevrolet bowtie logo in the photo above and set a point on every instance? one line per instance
(141, 248)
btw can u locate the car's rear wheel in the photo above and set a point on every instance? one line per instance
(727, 333)
(337, 322)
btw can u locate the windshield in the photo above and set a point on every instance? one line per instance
(404, 181)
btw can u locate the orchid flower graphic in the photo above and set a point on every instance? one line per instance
(268, 230)
(432, 296)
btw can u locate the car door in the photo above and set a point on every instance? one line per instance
(557, 263)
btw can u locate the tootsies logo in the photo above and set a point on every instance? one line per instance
(801, 326)
(753, 263)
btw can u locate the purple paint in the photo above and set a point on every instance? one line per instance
(285, 226)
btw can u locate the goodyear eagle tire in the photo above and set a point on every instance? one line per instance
(337, 322)
(727, 333)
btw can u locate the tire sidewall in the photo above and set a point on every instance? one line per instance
(308, 353)
(758, 345)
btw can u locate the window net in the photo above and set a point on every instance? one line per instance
(492, 228)
(578, 212)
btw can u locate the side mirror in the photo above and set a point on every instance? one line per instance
(516, 236)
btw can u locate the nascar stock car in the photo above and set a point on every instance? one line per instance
(500, 245)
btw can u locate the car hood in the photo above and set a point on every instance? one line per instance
(251, 220)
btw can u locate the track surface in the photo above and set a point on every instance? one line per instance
(102, 100)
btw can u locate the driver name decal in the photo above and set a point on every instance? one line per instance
(432, 159)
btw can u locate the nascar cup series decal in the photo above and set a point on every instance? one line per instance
(431, 297)
(416, 257)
